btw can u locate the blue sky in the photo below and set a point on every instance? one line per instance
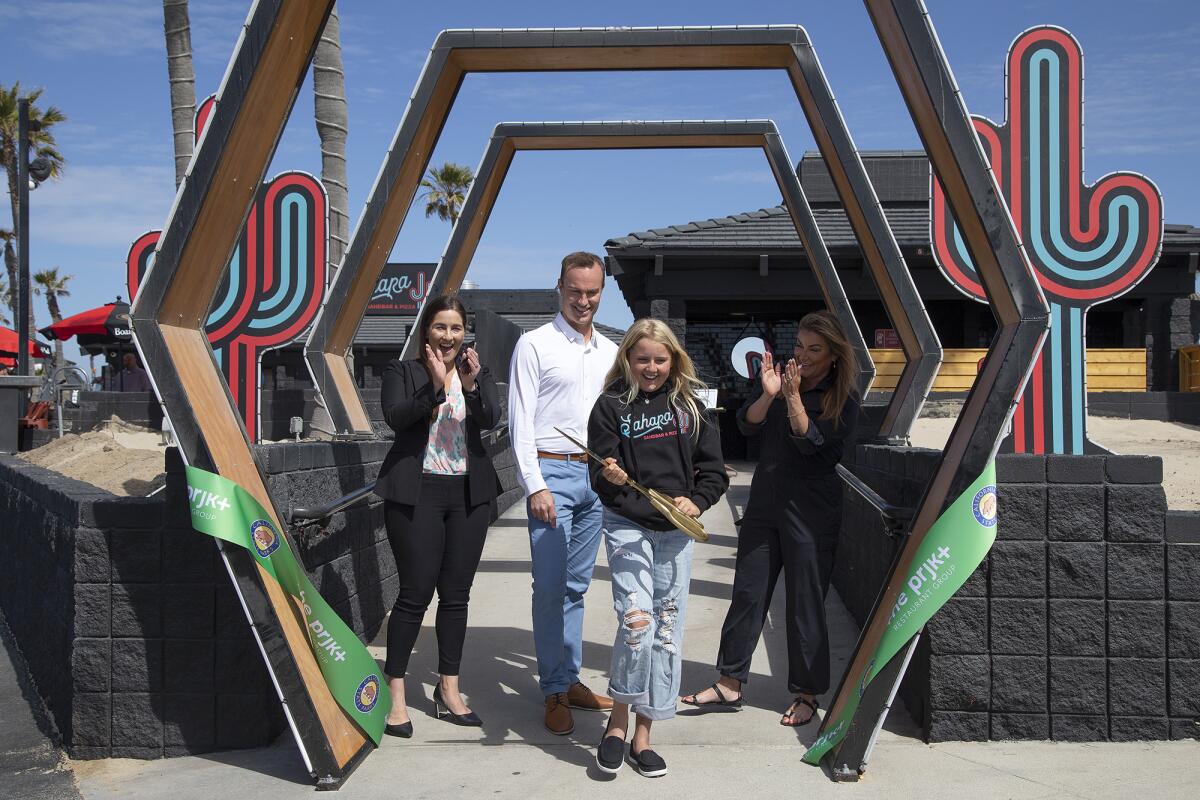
(103, 63)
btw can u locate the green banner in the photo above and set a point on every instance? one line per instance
(954, 546)
(225, 510)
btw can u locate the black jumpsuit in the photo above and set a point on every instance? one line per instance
(791, 523)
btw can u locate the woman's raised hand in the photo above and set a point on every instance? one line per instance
(435, 366)
(770, 378)
(469, 369)
(791, 380)
(613, 473)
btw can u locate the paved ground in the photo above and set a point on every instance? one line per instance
(716, 755)
(30, 764)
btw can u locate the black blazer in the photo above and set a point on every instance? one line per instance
(409, 399)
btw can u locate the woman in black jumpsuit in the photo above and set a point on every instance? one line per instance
(804, 413)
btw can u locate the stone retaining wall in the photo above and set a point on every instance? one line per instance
(129, 622)
(1083, 624)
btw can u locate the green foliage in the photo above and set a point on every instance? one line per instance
(446, 190)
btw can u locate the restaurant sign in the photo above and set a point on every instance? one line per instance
(401, 290)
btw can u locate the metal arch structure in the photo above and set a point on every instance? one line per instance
(1023, 319)
(228, 166)
(457, 53)
(510, 138)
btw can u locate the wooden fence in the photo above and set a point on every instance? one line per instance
(1108, 369)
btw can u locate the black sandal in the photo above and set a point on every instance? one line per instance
(794, 707)
(722, 703)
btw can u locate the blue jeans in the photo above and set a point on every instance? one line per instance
(563, 558)
(651, 571)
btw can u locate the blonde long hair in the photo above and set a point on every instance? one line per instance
(683, 381)
(826, 325)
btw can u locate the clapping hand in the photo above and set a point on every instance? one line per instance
(791, 380)
(435, 366)
(770, 378)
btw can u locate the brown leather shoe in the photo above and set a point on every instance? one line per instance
(558, 715)
(581, 697)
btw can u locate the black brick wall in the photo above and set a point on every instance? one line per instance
(126, 616)
(1083, 623)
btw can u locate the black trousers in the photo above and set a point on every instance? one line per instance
(790, 541)
(437, 544)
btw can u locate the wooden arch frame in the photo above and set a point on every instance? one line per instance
(230, 161)
(1023, 319)
(509, 138)
(456, 53)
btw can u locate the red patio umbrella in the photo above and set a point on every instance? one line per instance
(106, 324)
(8, 345)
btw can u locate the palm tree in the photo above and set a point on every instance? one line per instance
(41, 144)
(3, 294)
(182, 78)
(446, 190)
(49, 283)
(332, 119)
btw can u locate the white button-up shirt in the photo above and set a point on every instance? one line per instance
(553, 381)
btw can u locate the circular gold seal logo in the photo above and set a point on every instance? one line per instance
(266, 540)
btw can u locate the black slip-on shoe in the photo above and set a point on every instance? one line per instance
(610, 754)
(648, 763)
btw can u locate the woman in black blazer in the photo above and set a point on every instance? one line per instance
(438, 484)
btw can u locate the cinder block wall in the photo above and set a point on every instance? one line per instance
(129, 625)
(128, 620)
(1083, 624)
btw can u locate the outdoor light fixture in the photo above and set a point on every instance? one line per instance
(296, 427)
(40, 170)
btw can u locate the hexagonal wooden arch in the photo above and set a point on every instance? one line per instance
(509, 138)
(256, 97)
(1022, 317)
(457, 53)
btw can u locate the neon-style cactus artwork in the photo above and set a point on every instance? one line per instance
(1087, 243)
(273, 287)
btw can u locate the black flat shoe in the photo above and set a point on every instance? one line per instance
(611, 752)
(470, 719)
(647, 763)
(404, 730)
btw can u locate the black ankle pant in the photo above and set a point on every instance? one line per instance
(437, 544)
(804, 552)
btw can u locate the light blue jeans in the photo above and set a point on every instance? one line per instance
(651, 571)
(563, 558)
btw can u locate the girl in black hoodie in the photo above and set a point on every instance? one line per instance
(649, 426)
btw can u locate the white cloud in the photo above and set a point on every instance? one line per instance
(105, 207)
(68, 28)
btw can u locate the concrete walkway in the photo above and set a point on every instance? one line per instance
(714, 755)
(30, 764)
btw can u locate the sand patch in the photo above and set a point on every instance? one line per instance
(1176, 443)
(124, 459)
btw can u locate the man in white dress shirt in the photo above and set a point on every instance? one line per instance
(557, 372)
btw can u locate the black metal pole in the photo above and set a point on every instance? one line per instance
(23, 237)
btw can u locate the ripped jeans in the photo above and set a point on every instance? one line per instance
(651, 571)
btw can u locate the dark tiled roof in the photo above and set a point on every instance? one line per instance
(382, 331)
(899, 176)
(389, 332)
(771, 229)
